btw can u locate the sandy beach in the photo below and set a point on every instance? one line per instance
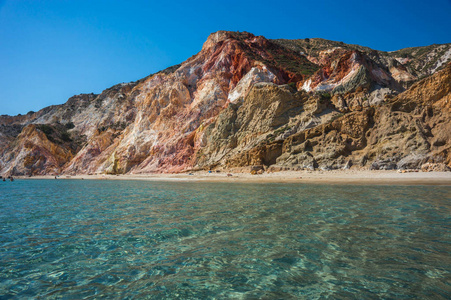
(311, 177)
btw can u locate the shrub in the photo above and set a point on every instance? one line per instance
(292, 85)
(65, 136)
(69, 125)
(47, 129)
(325, 95)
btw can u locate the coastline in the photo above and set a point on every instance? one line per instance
(364, 177)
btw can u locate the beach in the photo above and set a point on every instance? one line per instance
(312, 177)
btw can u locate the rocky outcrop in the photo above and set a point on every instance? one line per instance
(405, 66)
(245, 101)
(266, 109)
(33, 153)
(389, 136)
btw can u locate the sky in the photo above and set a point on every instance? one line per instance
(51, 50)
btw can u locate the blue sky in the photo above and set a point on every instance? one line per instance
(53, 49)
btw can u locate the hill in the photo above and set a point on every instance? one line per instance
(246, 101)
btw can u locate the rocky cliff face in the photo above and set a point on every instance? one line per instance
(243, 101)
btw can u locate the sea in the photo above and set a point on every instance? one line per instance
(100, 239)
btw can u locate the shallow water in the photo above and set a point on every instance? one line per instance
(76, 239)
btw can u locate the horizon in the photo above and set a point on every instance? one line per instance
(57, 50)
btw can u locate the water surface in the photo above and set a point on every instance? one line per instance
(76, 239)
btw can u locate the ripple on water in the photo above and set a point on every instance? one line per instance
(95, 239)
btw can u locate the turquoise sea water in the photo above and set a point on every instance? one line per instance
(74, 239)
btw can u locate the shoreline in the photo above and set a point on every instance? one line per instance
(364, 177)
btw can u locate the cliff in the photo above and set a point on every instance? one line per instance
(243, 101)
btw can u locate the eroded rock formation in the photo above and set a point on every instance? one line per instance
(244, 101)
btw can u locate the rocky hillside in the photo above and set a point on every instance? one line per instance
(245, 101)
